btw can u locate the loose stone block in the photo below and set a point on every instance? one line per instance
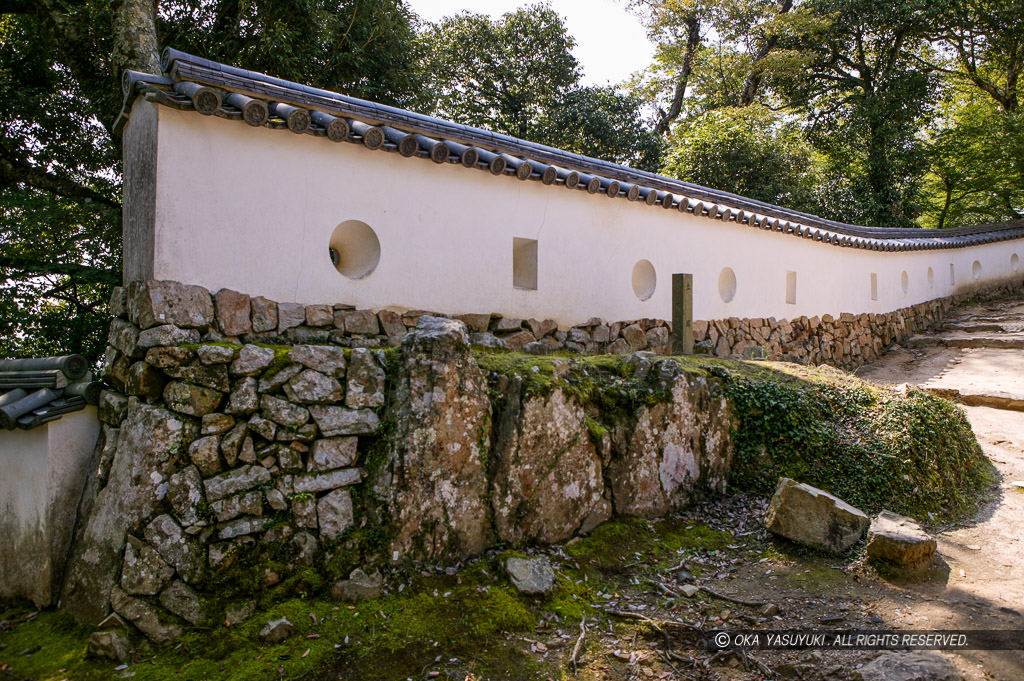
(283, 412)
(532, 576)
(144, 380)
(359, 322)
(265, 428)
(215, 424)
(249, 503)
(506, 324)
(814, 517)
(244, 398)
(252, 360)
(321, 482)
(152, 303)
(165, 358)
(275, 500)
(290, 315)
(635, 337)
(179, 599)
(475, 322)
(240, 479)
(312, 387)
(326, 359)
(232, 311)
(124, 336)
(193, 400)
(205, 454)
(365, 380)
(143, 616)
(243, 526)
(333, 452)
(143, 572)
(108, 645)
(215, 354)
(118, 304)
(185, 494)
(391, 323)
(272, 381)
(319, 315)
(341, 421)
(543, 328)
(304, 512)
(358, 586)
(264, 314)
(334, 512)
(167, 537)
(898, 539)
(517, 341)
(215, 377)
(167, 335)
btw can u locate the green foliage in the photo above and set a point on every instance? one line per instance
(502, 75)
(913, 454)
(975, 174)
(603, 123)
(750, 151)
(60, 175)
(517, 75)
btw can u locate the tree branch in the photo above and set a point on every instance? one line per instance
(13, 171)
(692, 42)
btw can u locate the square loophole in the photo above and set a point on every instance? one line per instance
(524, 263)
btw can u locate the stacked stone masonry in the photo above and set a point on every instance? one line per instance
(235, 422)
(845, 341)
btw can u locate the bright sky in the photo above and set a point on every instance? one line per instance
(610, 42)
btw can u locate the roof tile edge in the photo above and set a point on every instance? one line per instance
(419, 135)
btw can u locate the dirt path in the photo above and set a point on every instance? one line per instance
(974, 358)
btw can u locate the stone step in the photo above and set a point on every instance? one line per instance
(967, 340)
(996, 400)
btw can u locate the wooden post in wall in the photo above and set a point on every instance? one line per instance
(682, 314)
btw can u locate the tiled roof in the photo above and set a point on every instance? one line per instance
(37, 391)
(211, 88)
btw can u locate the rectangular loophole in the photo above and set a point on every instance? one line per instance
(524, 263)
(791, 287)
(874, 286)
(952, 279)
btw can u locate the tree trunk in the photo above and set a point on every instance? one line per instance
(753, 82)
(692, 42)
(135, 41)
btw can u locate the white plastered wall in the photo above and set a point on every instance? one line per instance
(42, 474)
(253, 210)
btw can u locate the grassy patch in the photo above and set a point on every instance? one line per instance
(390, 637)
(912, 453)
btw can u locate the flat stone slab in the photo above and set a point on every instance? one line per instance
(812, 516)
(898, 539)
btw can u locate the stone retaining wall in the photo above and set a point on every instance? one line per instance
(846, 341)
(227, 466)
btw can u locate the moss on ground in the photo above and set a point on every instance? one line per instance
(465, 617)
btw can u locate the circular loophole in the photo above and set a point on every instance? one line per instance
(727, 284)
(976, 270)
(1015, 262)
(644, 279)
(905, 281)
(355, 249)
